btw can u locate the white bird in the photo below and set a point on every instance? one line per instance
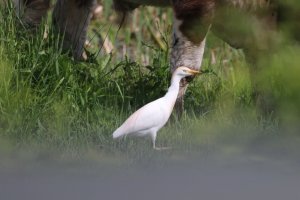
(147, 120)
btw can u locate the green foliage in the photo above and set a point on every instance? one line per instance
(142, 84)
(46, 95)
(51, 100)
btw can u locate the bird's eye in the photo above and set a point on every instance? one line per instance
(184, 70)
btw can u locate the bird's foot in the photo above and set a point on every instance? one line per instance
(162, 148)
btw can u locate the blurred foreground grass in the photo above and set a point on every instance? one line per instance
(51, 103)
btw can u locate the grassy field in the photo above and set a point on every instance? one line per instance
(50, 102)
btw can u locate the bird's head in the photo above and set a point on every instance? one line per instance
(185, 72)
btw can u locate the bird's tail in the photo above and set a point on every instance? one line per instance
(117, 134)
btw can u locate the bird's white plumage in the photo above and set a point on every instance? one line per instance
(154, 115)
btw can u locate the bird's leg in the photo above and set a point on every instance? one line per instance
(189, 34)
(153, 137)
(162, 148)
(153, 145)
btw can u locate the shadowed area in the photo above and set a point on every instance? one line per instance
(194, 177)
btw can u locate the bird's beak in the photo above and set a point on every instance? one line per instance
(194, 72)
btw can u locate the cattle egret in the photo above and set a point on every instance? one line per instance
(153, 116)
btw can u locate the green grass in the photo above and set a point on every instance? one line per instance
(51, 102)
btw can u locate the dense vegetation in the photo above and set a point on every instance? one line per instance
(51, 101)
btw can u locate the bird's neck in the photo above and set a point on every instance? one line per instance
(173, 90)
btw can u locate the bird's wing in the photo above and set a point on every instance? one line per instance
(153, 115)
